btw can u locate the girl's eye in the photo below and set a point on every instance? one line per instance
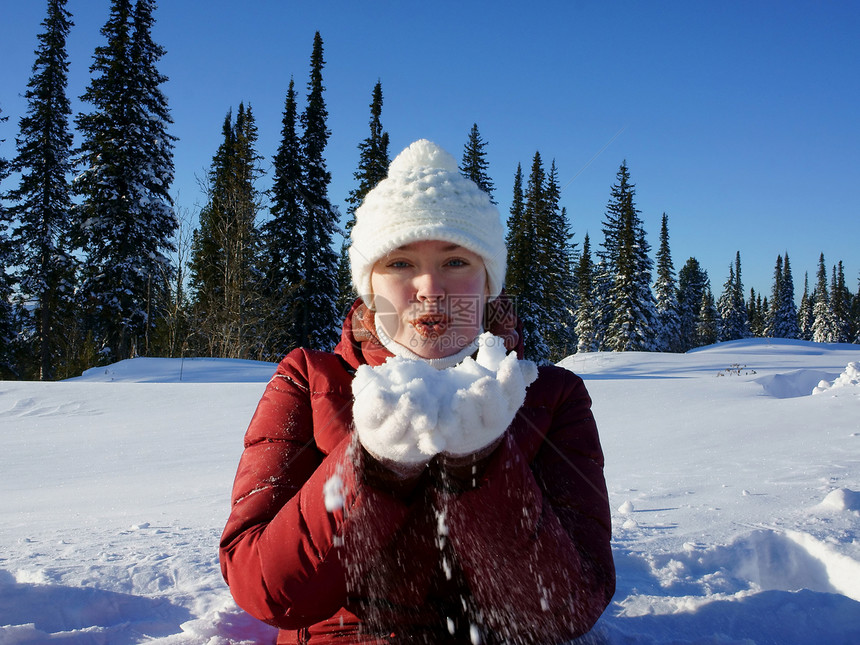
(457, 262)
(398, 264)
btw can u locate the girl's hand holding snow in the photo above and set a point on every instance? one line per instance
(482, 397)
(406, 411)
(395, 412)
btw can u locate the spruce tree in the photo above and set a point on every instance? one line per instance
(840, 303)
(556, 259)
(770, 315)
(526, 277)
(42, 200)
(825, 327)
(804, 315)
(707, 324)
(8, 367)
(475, 165)
(756, 315)
(373, 164)
(692, 280)
(855, 314)
(516, 238)
(666, 296)
(626, 250)
(586, 329)
(784, 319)
(318, 323)
(225, 251)
(125, 222)
(733, 322)
(282, 255)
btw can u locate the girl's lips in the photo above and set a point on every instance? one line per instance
(430, 325)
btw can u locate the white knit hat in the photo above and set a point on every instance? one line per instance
(425, 197)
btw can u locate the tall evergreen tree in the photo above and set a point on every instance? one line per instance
(707, 324)
(733, 321)
(516, 240)
(840, 303)
(282, 235)
(855, 315)
(783, 311)
(8, 368)
(825, 326)
(770, 315)
(318, 324)
(373, 164)
(42, 209)
(756, 314)
(626, 251)
(692, 280)
(125, 222)
(525, 284)
(224, 262)
(666, 296)
(586, 329)
(475, 165)
(804, 315)
(557, 261)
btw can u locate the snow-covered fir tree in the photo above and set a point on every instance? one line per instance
(754, 313)
(855, 315)
(558, 256)
(708, 320)
(42, 204)
(631, 302)
(125, 221)
(692, 281)
(805, 316)
(840, 302)
(525, 285)
(733, 321)
(474, 164)
(584, 277)
(281, 235)
(225, 249)
(318, 324)
(373, 162)
(825, 326)
(8, 367)
(668, 330)
(782, 317)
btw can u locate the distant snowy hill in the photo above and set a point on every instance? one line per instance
(735, 494)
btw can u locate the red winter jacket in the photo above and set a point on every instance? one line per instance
(515, 547)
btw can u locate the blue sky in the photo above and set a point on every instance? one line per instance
(737, 119)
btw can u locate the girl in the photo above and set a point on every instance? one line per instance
(422, 483)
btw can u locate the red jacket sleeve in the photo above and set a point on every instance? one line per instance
(278, 550)
(533, 537)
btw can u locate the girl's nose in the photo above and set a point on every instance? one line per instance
(429, 286)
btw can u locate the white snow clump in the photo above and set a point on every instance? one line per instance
(849, 378)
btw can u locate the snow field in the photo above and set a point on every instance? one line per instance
(735, 497)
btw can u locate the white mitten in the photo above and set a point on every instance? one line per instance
(395, 411)
(483, 397)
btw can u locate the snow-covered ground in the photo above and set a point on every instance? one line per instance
(735, 495)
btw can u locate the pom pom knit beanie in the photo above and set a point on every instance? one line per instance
(425, 197)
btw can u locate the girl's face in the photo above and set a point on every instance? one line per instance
(429, 296)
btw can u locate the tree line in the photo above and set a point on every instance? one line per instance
(97, 267)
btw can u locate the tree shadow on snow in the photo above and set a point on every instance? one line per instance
(82, 614)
